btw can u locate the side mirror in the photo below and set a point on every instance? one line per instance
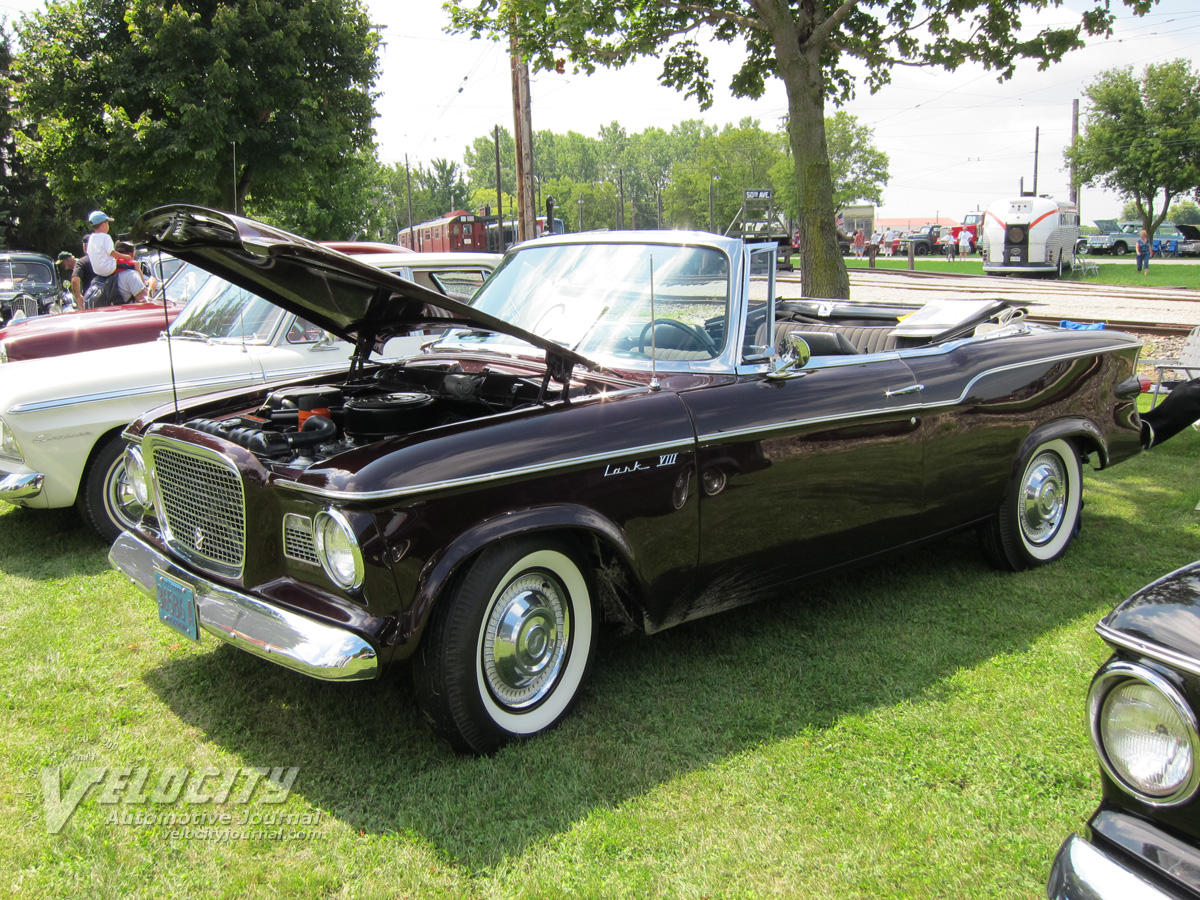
(794, 356)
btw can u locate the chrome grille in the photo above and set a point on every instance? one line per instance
(298, 540)
(202, 506)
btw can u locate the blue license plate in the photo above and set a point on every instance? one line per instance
(177, 605)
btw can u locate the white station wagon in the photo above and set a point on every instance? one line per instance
(61, 417)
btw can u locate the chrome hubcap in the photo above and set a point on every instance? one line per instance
(122, 505)
(525, 639)
(1043, 498)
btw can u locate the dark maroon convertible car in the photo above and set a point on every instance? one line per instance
(622, 427)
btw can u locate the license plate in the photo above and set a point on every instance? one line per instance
(177, 605)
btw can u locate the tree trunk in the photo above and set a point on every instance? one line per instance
(822, 269)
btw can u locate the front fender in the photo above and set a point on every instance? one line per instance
(440, 568)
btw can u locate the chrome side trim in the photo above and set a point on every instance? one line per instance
(718, 436)
(486, 478)
(16, 487)
(296, 642)
(202, 385)
(1156, 652)
(1082, 872)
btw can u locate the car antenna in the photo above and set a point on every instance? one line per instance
(167, 332)
(654, 385)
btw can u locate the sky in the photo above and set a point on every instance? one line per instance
(956, 141)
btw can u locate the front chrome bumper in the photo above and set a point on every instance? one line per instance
(1082, 872)
(16, 487)
(286, 638)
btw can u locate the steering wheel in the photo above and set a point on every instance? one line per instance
(695, 335)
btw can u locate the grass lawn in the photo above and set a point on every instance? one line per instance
(912, 729)
(1113, 270)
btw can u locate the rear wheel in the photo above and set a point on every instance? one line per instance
(508, 645)
(105, 500)
(1040, 514)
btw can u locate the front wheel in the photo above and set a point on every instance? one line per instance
(1040, 513)
(105, 500)
(1120, 249)
(508, 645)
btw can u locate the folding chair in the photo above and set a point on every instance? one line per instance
(1188, 362)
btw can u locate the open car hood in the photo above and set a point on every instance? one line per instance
(1106, 226)
(1191, 232)
(345, 296)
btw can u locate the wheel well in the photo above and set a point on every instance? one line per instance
(611, 575)
(92, 454)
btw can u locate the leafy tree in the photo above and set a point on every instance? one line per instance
(859, 169)
(30, 217)
(233, 104)
(808, 44)
(480, 160)
(1142, 137)
(1185, 212)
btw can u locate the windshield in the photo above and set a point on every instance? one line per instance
(224, 311)
(600, 300)
(25, 275)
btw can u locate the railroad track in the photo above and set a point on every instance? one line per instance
(1167, 312)
(1116, 325)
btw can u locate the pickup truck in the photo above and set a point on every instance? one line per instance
(1119, 238)
(924, 240)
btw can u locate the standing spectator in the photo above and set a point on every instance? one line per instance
(1142, 249)
(66, 262)
(81, 275)
(964, 242)
(889, 238)
(949, 244)
(860, 241)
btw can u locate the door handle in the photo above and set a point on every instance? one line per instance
(911, 389)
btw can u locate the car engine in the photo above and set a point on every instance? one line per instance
(303, 424)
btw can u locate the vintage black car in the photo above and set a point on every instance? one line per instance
(1143, 841)
(28, 285)
(620, 426)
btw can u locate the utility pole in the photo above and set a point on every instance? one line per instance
(412, 237)
(1036, 135)
(502, 244)
(523, 135)
(1074, 195)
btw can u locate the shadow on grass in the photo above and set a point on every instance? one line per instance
(49, 543)
(656, 708)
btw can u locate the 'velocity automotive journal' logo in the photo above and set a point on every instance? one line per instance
(142, 796)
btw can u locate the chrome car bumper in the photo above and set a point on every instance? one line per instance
(1082, 872)
(297, 642)
(16, 487)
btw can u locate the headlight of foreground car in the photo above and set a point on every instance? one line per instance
(9, 448)
(135, 475)
(1145, 733)
(338, 550)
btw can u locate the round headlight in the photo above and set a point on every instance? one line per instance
(1145, 733)
(338, 549)
(135, 476)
